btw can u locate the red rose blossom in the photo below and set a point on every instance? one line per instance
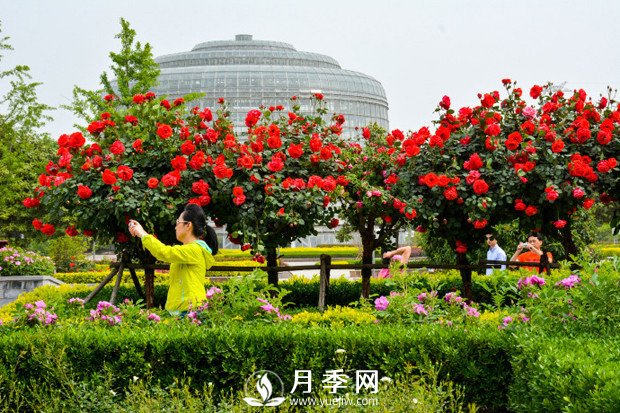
(84, 192)
(48, 229)
(108, 177)
(164, 131)
(480, 187)
(152, 183)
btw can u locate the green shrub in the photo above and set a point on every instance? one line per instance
(16, 261)
(68, 253)
(568, 374)
(227, 355)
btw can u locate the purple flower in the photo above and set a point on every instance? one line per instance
(154, 317)
(212, 291)
(453, 298)
(471, 311)
(40, 304)
(533, 280)
(419, 309)
(569, 282)
(28, 306)
(76, 300)
(507, 320)
(381, 303)
(268, 307)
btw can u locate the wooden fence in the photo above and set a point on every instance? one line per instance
(324, 267)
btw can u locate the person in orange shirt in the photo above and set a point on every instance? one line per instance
(535, 252)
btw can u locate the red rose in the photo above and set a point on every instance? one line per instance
(171, 179)
(480, 223)
(445, 102)
(559, 224)
(138, 99)
(200, 187)
(221, 171)
(275, 165)
(31, 202)
(197, 161)
(551, 194)
(412, 214)
(88, 232)
(603, 137)
(164, 131)
(188, 148)
(473, 163)
(108, 177)
(274, 142)
(117, 147)
(237, 191)
(450, 193)
(84, 192)
(108, 98)
(578, 193)
(557, 146)
(493, 129)
(535, 91)
(178, 101)
(366, 133)
(137, 146)
(124, 172)
(131, 119)
(37, 224)
(461, 248)
(296, 151)
(531, 210)
(152, 183)
(165, 104)
(48, 229)
(121, 238)
(328, 184)
(240, 200)
(480, 187)
(245, 161)
(281, 212)
(76, 140)
(588, 203)
(519, 205)
(71, 231)
(488, 100)
(315, 143)
(252, 118)
(96, 127)
(179, 163)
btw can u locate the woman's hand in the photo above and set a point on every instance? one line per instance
(136, 229)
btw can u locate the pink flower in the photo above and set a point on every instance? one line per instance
(419, 309)
(529, 112)
(381, 303)
(212, 291)
(154, 317)
(569, 282)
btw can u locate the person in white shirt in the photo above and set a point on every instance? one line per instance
(495, 253)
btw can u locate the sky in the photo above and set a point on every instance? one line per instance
(419, 50)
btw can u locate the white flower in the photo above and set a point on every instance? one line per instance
(414, 401)
(386, 379)
(112, 392)
(136, 378)
(340, 351)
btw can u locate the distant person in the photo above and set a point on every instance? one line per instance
(495, 253)
(535, 253)
(401, 254)
(188, 262)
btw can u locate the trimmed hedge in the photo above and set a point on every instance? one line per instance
(228, 355)
(573, 374)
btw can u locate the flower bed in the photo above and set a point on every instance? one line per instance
(16, 261)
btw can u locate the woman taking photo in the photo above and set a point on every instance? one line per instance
(188, 262)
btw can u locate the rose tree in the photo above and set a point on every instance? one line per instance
(275, 185)
(368, 204)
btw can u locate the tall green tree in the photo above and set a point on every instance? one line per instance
(134, 71)
(23, 147)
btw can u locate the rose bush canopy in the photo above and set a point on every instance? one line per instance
(480, 166)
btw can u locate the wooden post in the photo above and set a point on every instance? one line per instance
(326, 261)
(101, 284)
(149, 287)
(119, 277)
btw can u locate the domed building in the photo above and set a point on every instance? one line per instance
(248, 73)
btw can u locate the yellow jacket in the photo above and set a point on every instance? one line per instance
(188, 266)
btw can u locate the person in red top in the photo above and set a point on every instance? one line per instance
(535, 252)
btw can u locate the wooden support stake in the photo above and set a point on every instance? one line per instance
(119, 278)
(101, 285)
(326, 261)
(136, 282)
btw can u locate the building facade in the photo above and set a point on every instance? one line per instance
(248, 73)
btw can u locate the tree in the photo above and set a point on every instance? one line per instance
(369, 205)
(135, 72)
(276, 186)
(504, 160)
(22, 145)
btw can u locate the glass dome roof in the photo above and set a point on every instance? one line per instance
(248, 73)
